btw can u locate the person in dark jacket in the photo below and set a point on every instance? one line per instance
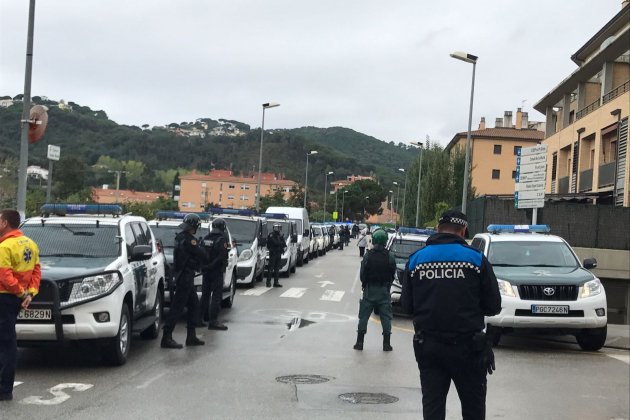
(377, 274)
(276, 245)
(216, 245)
(449, 287)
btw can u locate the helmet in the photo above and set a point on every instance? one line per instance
(277, 227)
(218, 224)
(379, 237)
(191, 221)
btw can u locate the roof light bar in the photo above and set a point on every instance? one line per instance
(169, 214)
(238, 212)
(519, 228)
(415, 231)
(63, 209)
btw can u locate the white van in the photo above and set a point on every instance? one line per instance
(300, 216)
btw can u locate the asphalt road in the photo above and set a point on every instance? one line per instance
(307, 328)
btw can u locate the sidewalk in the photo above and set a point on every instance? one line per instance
(618, 336)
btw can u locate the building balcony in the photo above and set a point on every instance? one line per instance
(586, 180)
(587, 109)
(618, 91)
(563, 185)
(607, 174)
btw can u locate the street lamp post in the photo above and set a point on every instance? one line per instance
(397, 198)
(312, 152)
(364, 203)
(262, 134)
(391, 205)
(343, 203)
(419, 144)
(326, 185)
(468, 58)
(402, 219)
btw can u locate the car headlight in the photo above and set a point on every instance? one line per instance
(505, 288)
(591, 288)
(245, 255)
(89, 288)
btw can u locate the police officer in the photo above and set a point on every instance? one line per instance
(216, 246)
(449, 287)
(188, 257)
(276, 245)
(377, 274)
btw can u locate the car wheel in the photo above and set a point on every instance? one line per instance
(305, 260)
(292, 269)
(153, 331)
(116, 349)
(229, 301)
(592, 339)
(300, 261)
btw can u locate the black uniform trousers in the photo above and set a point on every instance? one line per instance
(185, 297)
(211, 295)
(439, 363)
(273, 267)
(9, 310)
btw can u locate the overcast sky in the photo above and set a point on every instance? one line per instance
(379, 67)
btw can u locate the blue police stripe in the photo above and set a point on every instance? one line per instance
(445, 253)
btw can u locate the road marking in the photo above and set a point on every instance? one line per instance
(332, 295)
(150, 381)
(16, 383)
(622, 357)
(294, 292)
(325, 283)
(356, 280)
(393, 326)
(59, 395)
(256, 291)
(318, 276)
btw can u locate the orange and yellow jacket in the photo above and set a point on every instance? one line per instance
(19, 264)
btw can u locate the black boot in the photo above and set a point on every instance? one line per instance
(386, 345)
(359, 344)
(216, 325)
(276, 284)
(268, 283)
(168, 342)
(192, 340)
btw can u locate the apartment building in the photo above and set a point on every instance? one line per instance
(223, 188)
(587, 118)
(494, 151)
(350, 179)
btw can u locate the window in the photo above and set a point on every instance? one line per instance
(130, 239)
(244, 187)
(513, 174)
(244, 198)
(479, 244)
(141, 239)
(230, 197)
(231, 186)
(517, 149)
(497, 149)
(496, 173)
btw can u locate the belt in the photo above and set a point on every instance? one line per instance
(445, 339)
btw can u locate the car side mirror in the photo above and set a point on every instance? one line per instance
(141, 253)
(590, 263)
(307, 233)
(294, 238)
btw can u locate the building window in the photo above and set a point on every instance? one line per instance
(244, 198)
(231, 186)
(516, 150)
(497, 149)
(496, 173)
(230, 197)
(513, 174)
(244, 187)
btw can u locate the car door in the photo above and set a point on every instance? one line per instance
(262, 243)
(294, 245)
(155, 265)
(144, 273)
(232, 261)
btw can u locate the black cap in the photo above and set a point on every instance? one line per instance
(454, 217)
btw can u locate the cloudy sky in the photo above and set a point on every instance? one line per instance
(379, 67)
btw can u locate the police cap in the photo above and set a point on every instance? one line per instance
(454, 217)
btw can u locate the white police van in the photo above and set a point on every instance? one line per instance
(544, 287)
(304, 243)
(288, 261)
(102, 279)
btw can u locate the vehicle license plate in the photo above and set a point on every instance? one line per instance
(550, 309)
(26, 314)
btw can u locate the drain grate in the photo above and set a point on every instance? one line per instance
(303, 379)
(368, 398)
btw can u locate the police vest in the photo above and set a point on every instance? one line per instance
(378, 269)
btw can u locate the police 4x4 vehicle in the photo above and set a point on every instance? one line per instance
(102, 279)
(289, 258)
(544, 287)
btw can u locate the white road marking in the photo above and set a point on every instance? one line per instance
(256, 291)
(356, 280)
(16, 383)
(59, 395)
(621, 357)
(150, 381)
(332, 295)
(325, 283)
(319, 276)
(294, 292)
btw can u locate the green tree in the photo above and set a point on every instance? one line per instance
(275, 199)
(69, 177)
(356, 202)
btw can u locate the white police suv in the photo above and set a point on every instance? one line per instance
(102, 279)
(544, 287)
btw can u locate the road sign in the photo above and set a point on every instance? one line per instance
(335, 215)
(54, 152)
(531, 175)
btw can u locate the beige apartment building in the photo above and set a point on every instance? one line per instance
(494, 151)
(587, 118)
(223, 188)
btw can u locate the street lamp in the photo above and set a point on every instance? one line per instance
(391, 205)
(397, 198)
(472, 59)
(343, 202)
(312, 152)
(262, 134)
(364, 202)
(402, 220)
(419, 144)
(325, 185)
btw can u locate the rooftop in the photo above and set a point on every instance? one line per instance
(505, 133)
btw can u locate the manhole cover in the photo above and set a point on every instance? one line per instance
(368, 398)
(303, 379)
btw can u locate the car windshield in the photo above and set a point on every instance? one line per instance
(284, 226)
(74, 240)
(299, 225)
(166, 234)
(243, 231)
(402, 249)
(317, 230)
(531, 253)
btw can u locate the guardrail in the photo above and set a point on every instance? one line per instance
(587, 110)
(619, 90)
(586, 180)
(607, 174)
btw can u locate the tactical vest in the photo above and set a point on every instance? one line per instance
(378, 269)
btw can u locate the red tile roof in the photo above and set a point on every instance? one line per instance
(106, 195)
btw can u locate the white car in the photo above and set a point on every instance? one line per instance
(320, 238)
(402, 245)
(543, 285)
(102, 279)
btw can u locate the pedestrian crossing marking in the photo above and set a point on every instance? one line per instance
(256, 291)
(16, 383)
(294, 292)
(332, 295)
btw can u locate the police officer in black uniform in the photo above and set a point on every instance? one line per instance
(188, 257)
(216, 246)
(449, 287)
(276, 244)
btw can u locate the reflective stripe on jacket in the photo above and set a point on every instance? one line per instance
(19, 264)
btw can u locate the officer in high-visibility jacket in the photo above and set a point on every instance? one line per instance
(19, 282)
